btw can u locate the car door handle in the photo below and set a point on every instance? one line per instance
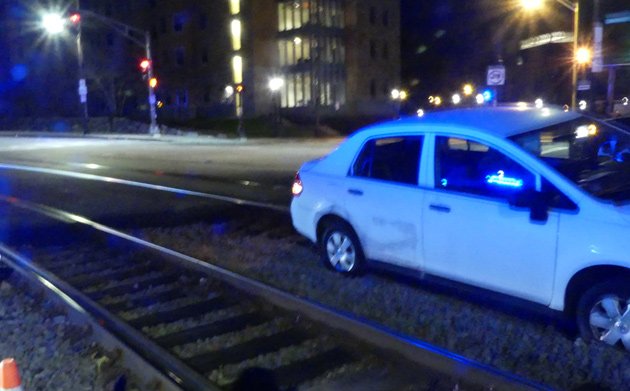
(355, 192)
(440, 208)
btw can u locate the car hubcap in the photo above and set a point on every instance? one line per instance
(610, 321)
(340, 250)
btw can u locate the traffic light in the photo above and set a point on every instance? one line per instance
(239, 88)
(75, 18)
(153, 82)
(145, 64)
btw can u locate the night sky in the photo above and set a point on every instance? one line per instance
(446, 43)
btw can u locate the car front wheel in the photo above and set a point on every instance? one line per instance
(340, 249)
(603, 313)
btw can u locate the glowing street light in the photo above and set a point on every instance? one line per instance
(480, 99)
(456, 99)
(538, 103)
(468, 89)
(575, 8)
(532, 4)
(398, 96)
(275, 84)
(583, 56)
(53, 23)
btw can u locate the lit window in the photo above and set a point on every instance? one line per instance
(281, 11)
(235, 7)
(235, 27)
(237, 69)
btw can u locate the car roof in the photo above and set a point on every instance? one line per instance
(501, 121)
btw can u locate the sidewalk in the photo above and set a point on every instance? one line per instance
(184, 138)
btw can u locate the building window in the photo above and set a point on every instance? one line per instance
(203, 21)
(179, 56)
(237, 69)
(235, 7)
(235, 29)
(182, 98)
(163, 25)
(372, 15)
(178, 23)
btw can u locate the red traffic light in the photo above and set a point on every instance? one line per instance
(144, 65)
(75, 18)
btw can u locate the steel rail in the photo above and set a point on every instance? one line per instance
(412, 349)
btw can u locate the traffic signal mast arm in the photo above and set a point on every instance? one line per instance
(134, 34)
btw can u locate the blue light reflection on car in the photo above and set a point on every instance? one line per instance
(500, 179)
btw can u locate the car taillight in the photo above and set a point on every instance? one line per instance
(297, 187)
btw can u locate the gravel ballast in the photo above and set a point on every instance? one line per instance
(51, 352)
(532, 349)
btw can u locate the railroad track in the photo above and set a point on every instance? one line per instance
(206, 328)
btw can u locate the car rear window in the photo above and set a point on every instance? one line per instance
(393, 159)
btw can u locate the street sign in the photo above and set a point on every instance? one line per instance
(82, 90)
(584, 85)
(496, 75)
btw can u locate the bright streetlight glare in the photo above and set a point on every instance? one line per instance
(468, 89)
(538, 103)
(53, 23)
(403, 95)
(398, 94)
(420, 113)
(437, 101)
(480, 99)
(532, 4)
(275, 83)
(583, 55)
(456, 99)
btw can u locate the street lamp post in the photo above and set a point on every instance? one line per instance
(82, 83)
(575, 8)
(275, 84)
(54, 24)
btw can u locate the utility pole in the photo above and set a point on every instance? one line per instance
(153, 128)
(82, 83)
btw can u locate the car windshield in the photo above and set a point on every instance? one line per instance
(592, 154)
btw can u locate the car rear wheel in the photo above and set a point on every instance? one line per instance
(603, 313)
(340, 249)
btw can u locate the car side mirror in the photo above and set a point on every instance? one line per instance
(535, 201)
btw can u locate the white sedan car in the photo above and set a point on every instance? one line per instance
(533, 203)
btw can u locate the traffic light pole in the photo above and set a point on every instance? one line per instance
(82, 89)
(153, 127)
(132, 34)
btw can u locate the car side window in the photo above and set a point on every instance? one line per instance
(393, 159)
(470, 167)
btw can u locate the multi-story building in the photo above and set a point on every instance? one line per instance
(332, 55)
(216, 57)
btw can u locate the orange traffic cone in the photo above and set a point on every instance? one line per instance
(9, 376)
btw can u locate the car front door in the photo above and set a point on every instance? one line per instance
(383, 199)
(473, 235)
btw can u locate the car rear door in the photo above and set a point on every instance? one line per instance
(384, 201)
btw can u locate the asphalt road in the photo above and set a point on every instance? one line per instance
(260, 170)
(77, 178)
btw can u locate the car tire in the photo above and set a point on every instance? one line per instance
(603, 313)
(340, 249)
